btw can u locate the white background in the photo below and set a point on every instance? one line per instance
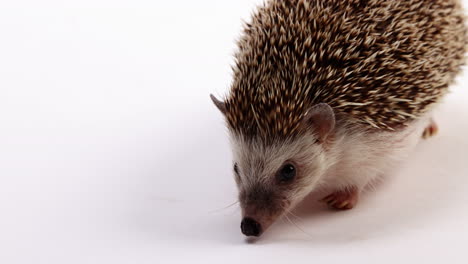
(111, 151)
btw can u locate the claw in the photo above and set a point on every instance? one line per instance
(343, 204)
(342, 200)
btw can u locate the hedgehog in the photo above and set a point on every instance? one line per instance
(329, 95)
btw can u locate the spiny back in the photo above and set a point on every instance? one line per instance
(383, 63)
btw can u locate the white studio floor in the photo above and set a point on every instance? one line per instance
(111, 151)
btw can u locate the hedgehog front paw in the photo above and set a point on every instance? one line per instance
(430, 130)
(343, 199)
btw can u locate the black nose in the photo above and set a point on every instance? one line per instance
(250, 227)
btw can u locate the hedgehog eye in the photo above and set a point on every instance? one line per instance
(287, 173)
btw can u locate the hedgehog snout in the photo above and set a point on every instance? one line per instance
(250, 227)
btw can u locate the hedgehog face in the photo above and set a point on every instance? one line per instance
(274, 173)
(273, 178)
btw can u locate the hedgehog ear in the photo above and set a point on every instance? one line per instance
(322, 119)
(219, 104)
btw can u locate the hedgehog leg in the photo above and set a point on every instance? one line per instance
(431, 130)
(342, 200)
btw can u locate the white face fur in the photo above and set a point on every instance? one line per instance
(259, 169)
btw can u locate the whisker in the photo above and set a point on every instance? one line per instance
(292, 214)
(224, 208)
(296, 225)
